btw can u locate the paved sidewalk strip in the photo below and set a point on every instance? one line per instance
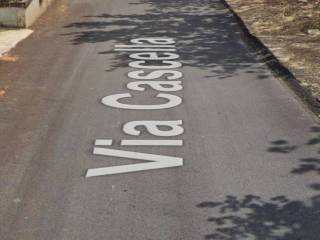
(10, 38)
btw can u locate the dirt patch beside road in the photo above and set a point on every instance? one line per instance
(291, 30)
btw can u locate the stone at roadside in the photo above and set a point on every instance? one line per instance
(315, 32)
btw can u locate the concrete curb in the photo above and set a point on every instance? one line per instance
(275, 64)
(23, 16)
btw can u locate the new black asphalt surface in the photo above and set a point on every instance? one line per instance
(251, 149)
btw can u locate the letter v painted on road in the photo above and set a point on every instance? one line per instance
(156, 161)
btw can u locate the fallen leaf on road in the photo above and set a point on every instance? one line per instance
(3, 91)
(8, 58)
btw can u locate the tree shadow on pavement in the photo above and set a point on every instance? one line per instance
(251, 217)
(208, 36)
(307, 164)
(276, 218)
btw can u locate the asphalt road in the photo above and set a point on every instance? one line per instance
(250, 147)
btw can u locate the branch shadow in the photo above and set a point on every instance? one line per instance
(251, 217)
(277, 218)
(207, 34)
(307, 165)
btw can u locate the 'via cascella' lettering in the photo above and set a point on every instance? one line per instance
(154, 63)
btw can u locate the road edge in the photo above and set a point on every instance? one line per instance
(273, 62)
